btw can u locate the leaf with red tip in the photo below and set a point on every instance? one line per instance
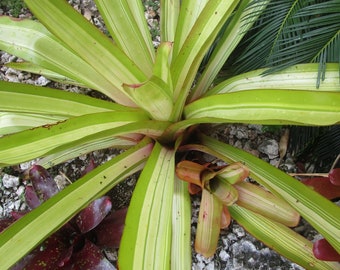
(224, 191)
(322, 250)
(194, 189)
(42, 182)
(209, 224)
(234, 173)
(109, 231)
(190, 172)
(225, 218)
(334, 176)
(90, 257)
(93, 214)
(323, 186)
(31, 197)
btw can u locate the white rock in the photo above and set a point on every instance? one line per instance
(10, 181)
(270, 148)
(20, 190)
(26, 165)
(17, 204)
(210, 266)
(42, 81)
(224, 256)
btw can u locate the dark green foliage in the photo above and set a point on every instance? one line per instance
(316, 145)
(290, 32)
(12, 7)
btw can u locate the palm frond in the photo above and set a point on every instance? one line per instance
(290, 32)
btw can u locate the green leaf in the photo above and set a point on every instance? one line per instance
(298, 77)
(280, 238)
(126, 23)
(236, 29)
(181, 227)
(88, 42)
(269, 106)
(169, 17)
(25, 98)
(148, 221)
(44, 140)
(30, 230)
(187, 17)
(152, 97)
(15, 122)
(155, 96)
(31, 41)
(321, 213)
(184, 67)
(85, 148)
(161, 68)
(36, 69)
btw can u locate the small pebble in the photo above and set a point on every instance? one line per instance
(42, 81)
(10, 181)
(224, 256)
(270, 148)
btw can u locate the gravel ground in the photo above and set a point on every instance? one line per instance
(237, 249)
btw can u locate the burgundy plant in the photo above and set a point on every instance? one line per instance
(78, 244)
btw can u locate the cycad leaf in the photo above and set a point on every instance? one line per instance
(293, 32)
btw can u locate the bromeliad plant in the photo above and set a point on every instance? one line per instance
(159, 100)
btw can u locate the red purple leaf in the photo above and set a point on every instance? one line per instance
(18, 214)
(93, 214)
(31, 197)
(49, 255)
(334, 176)
(323, 186)
(324, 251)
(90, 257)
(5, 222)
(42, 182)
(90, 167)
(109, 232)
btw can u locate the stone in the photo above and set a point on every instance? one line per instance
(10, 181)
(42, 81)
(270, 148)
(224, 256)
